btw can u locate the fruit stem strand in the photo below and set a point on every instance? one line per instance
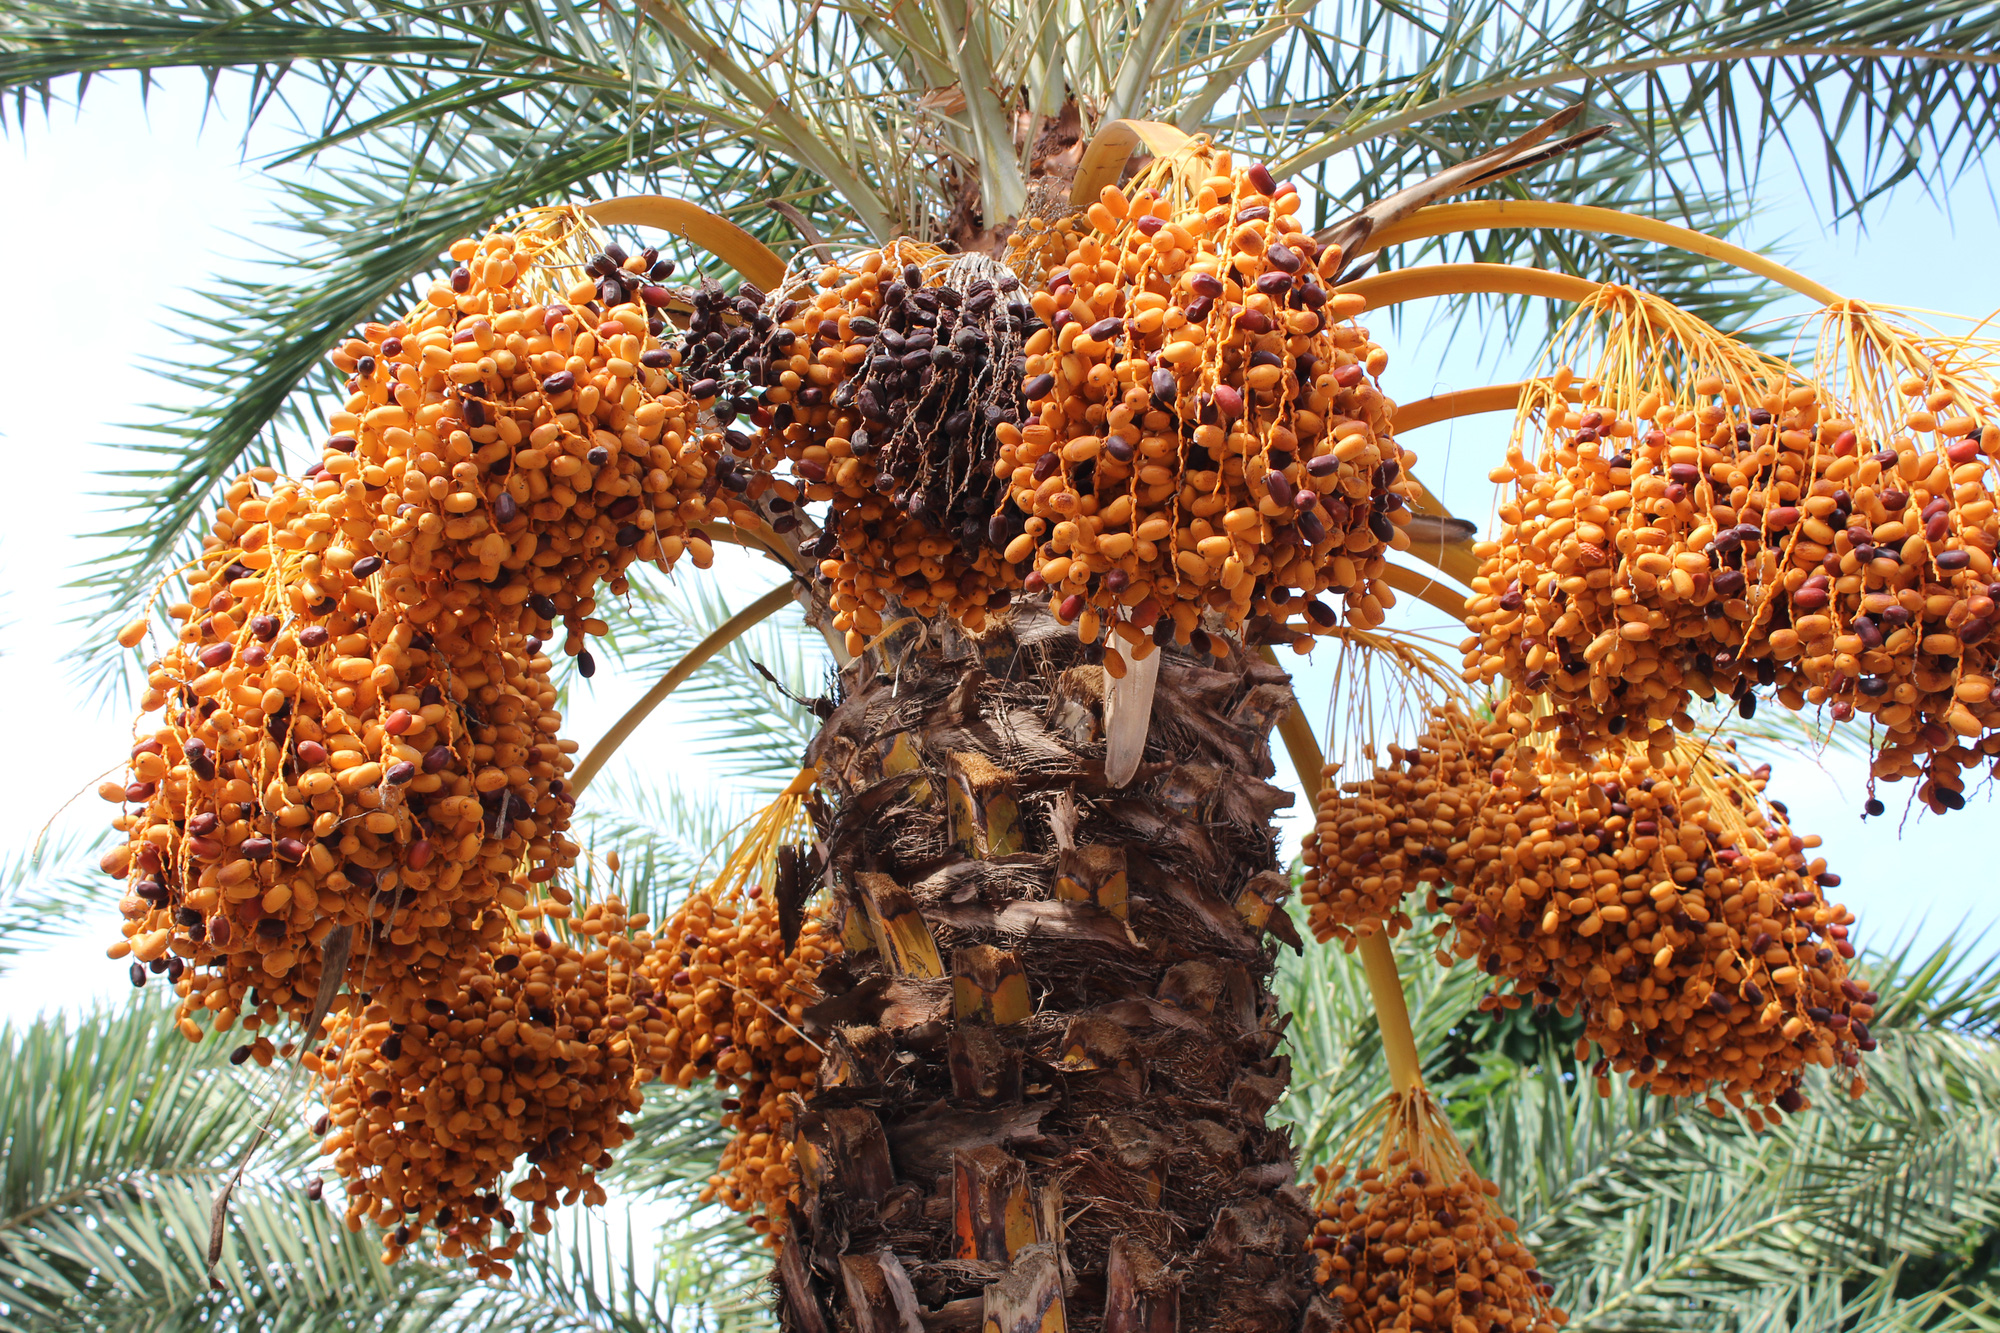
(719, 638)
(1483, 214)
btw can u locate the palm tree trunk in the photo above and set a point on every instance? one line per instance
(1051, 1042)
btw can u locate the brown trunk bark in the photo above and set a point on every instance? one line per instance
(1051, 1040)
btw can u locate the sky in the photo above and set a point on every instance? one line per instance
(115, 216)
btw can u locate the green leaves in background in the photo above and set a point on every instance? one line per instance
(118, 1132)
(47, 890)
(750, 701)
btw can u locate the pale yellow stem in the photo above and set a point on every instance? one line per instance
(1392, 1013)
(696, 225)
(719, 638)
(1454, 559)
(1426, 590)
(1458, 403)
(754, 534)
(1413, 284)
(1493, 214)
(1385, 987)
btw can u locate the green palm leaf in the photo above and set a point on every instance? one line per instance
(47, 890)
(119, 1132)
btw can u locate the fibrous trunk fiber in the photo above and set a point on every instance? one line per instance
(1050, 1042)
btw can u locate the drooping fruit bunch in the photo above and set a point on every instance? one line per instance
(942, 377)
(538, 1046)
(1202, 434)
(1900, 621)
(319, 762)
(880, 380)
(735, 997)
(538, 1050)
(359, 735)
(1376, 839)
(734, 992)
(1414, 1240)
(1673, 908)
(524, 436)
(1699, 520)
(1643, 553)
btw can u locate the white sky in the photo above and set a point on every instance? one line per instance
(113, 217)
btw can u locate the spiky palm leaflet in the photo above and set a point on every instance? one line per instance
(118, 1133)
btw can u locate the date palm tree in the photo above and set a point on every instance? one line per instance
(950, 1181)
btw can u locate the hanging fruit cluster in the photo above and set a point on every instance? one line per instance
(734, 993)
(538, 1051)
(1673, 908)
(319, 762)
(1203, 435)
(942, 377)
(880, 381)
(541, 1045)
(1414, 1241)
(1376, 839)
(359, 731)
(1905, 590)
(1638, 556)
(1698, 520)
(1664, 900)
(519, 442)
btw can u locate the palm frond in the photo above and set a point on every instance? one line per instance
(1708, 105)
(1891, 94)
(597, 1272)
(47, 890)
(1659, 1215)
(666, 833)
(1954, 988)
(119, 1131)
